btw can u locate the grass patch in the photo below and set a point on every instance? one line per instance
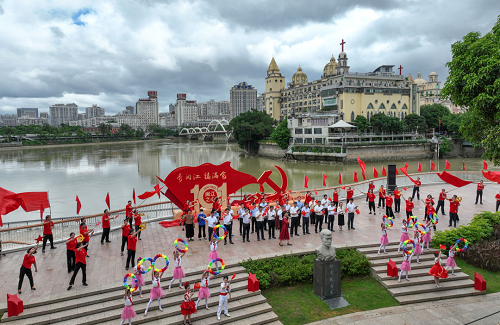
(298, 304)
(492, 278)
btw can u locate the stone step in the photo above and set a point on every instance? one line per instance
(374, 248)
(424, 279)
(382, 276)
(109, 309)
(414, 266)
(392, 254)
(399, 259)
(430, 287)
(72, 302)
(438, 294)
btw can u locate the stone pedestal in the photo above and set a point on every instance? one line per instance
(326, 283)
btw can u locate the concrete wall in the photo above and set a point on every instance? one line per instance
(271, 150)
(458, 150)
(388, 152)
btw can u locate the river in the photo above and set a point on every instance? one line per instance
(91, 171)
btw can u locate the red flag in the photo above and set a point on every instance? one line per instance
(448, 166)
(403, 169)
(384, 173)
(340, 179)
(31, 201)
(355, 177)
(149, 194)
(441, 246)
(433, 167)
(485, 165)
(7, 205)
(133, 195)
(463, 164)
(78, 205)
(41, 212)
(453, 180)
(419, 166)
(375, 172)
(439, 122)
(234, 276)
(196, 286)
(397, 171)
(364, 176)
(324, 180)
(406, 165)
(362, 165)
(306, 180)
(492, 176)
(107, 201)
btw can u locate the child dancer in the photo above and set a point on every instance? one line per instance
(405, 266)
(204, 292)
(384, 240)
(178, 272)
(404, 234)
(340, 215)
(427, 237)
(138, 276)
(213, 251)
(156, 291)
(128, 311)
(437, 270)
(224, 291)
(418, 241)
(450, 261)
(187, 306)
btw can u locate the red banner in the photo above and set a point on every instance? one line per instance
(384, 172)
(403, 169)
(375, 172)
(453, 180)
(78, 205)
(149, 194)
(340, 179)
(324, 179)
(492, 176)
(306, 180)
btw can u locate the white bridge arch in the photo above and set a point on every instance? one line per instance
(209, 130)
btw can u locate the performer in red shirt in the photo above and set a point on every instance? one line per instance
(105, 227)
(416, 189)
(137, 222)
(428, 201)
(442, 197)
(336, 197)
(397, 200)
(128, 212)
(308, 198)
(371, 200)
(453, 211)
(409, 206)
(81, 263)
(381, 196)
(85, 233)
(131, 247)
(125, 231)
(388, 206)
(48, 225)
(70, 252)
(28, 260)
(498, 200)
(349, 193)
(479, 193)
(371, 186)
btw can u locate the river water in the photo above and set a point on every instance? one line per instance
(91, 171)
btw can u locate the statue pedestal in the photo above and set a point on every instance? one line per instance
(326, 282)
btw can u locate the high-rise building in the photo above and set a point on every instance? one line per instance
(148, 109)
(243, 98)
(44, 115)
(260, 102)
(129, 110)
(94, 111)
(186, 111)
(30, 112)
(61, 113)
(171, 108)
(275, 83)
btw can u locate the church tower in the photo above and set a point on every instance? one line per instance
(342, 67)
(275, 82)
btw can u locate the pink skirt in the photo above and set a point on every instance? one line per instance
(156, 292)
(178, 273)
(450, 261)
(427, 237)
(203, 293)
(213, 255)
(404, 236)
(384, 240)
(140, 280)
(405, 266)
(418, 250)
(128, 312)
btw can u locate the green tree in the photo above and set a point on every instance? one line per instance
(432, 114)
(452, 122)
(362, 123)
(104, 128)
(250, 127)
(386, 123)
(415, 122)
(444, 146)
(139, 133)
(474, 82)
(124, 128)
(281, 135)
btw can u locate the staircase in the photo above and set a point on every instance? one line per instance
(421, 287)
(105, 306)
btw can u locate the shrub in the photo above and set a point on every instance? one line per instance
(484, 255)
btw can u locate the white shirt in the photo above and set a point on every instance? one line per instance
(271, 214)
(351, 207)
(404, 230)
(258, 216)
(318, 209)
(263, 205)
(287, 207)
(384, 232)
(212, 221)
(135, 269)
(177, 261)
(156, 282)
(213, 246)
(294, 212)
(280, 214)
(340, 210)
(254, 211)
(307, 211)
(451, 253)
(228, 218)
(324, 203)
(204, 282)
(224, 290)
(128, 301)
(246, 218)
(331, 210)
(241, 212)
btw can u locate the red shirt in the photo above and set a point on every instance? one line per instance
(409, 206)
(105, 223)
(442, 196)
(397, 194)
(308, 199)
(132, 242)
(83, 229)
(497, 197)
(430, 210)
(417, 183)
(335, 196)
(125, 230)
(427, 201)
(381, 193)
(370, 186)
(216, 206)
(388, 202)
(349, 194)
(28, 261)
(137, 219)
(454, 206)
(371, 197)
(46, 228)
(80, 256)
(71, 244)
(480, 186)
(128, 210)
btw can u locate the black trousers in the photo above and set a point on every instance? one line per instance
(260, 229)
(130, 258)
(139, 233)
(130, 220)
(313, 218)
(280, 224)
(498, 205)
(210, 232)
(25, 271)
(371, 205)
(479, 193)
(272, 226)
(294, 227)
(416, 190)
(229, 229)
(253, 224)
(241, 225)
(124, 242)
(453, 219)
(70, 259)
(246, 231)
(265, 224)
(105, 234)
(319, 222)
(331, 220)
(409, 214)
(389, 212)
(325, 212)
(440, 205)
(397, 205)
(350, 220)
(381, 202)
(50, 238)
(200, 228)
(79, 266)
(305, 225)
(87, 247)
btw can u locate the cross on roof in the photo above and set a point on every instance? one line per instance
(400, 68)
(342, 43)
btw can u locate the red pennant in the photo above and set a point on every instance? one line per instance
(133, 195)
(315, 192)
(485, 165)
(375, 172)
(41, 212)
(492, 176)
(453, 180)
(448, 166)
(419, 167)
(397, 172)
(78, 205)
(196, 286)
(404, 188)
(340, 179)
(362, 165)
(107, 201)
(306, 180)
(234, 276)
(355, 177)
(303, 213)
(343, 187)
(384, 173)
(324, 180)
(439, 122)
(364, 176)
(433, 167)
(463, 164)
(441, 246)
(39, 239)
(406, 165)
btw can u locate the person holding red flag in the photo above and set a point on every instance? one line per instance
(70, 251)
(48, 225)
(137, 222)
(497, 197)
(371, 186)
(442, 197)
(381, 196)
(80, 263)
(388, 206)
(479, 193)
(125, 231)
(85, 233)
(371, 200)
(335, 198)
(416, 189)
(106, 227)
(131, 247)
(28, 261)
(409, 206)
(349, 194)
(128, 212)
(454, 204)
(397, 200)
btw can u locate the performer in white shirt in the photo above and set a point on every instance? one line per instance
(259, 217)
(324, 204)
(351, 208)
(225, 290)
(318, 212)
(332, 210)
(271, 218)
(294, 214)
(228, 223)
(246, 224)
(306, 213)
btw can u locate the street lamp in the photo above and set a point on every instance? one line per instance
(435, 141)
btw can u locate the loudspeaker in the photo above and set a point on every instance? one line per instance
(391, 178)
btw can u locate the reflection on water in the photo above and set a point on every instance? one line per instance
(91, 171)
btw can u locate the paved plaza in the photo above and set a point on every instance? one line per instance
(106, 267)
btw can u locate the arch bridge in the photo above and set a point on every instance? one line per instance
(213, 128)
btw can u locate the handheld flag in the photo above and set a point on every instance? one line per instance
(107, 201)
(78, 205)
(324, 180)
(196, 286)
(234, 276)
(306, 180)
(41, 212)
(441, 246)
(355, 177)
(133, 195)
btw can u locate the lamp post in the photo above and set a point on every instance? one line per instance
(435, 141)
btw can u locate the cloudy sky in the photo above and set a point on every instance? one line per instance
(111, 52)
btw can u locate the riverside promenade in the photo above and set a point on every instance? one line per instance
(106, 267)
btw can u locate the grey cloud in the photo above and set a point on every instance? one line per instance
(57, 32)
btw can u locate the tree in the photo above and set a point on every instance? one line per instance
(139, 133)
(250, 127)
(104, 128)
(281, 135)
(432, 114)
(474, 82)
(362, 123)
(452, 122)
(386, 123)
(124, 128)
(415, 122)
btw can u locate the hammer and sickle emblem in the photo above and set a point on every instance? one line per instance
(278, 191)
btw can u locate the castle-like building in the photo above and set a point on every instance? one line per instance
(339, 91)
